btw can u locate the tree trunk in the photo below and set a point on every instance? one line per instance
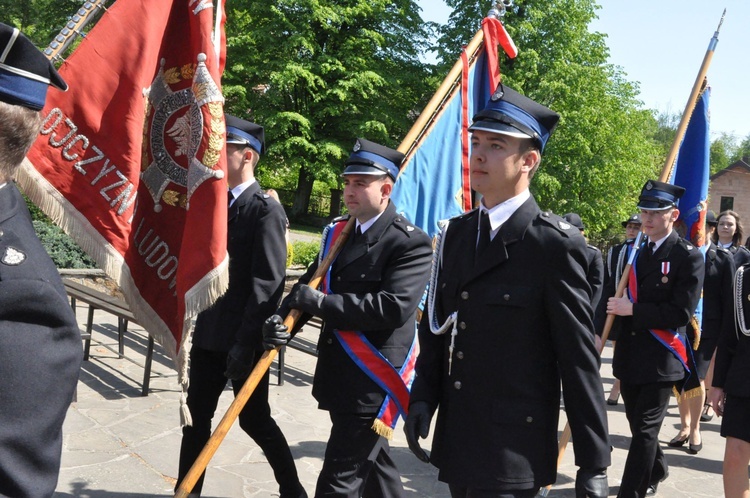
(302, 195)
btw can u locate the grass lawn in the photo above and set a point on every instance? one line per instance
(305, 229)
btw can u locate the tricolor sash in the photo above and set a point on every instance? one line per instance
(395, 383)
(670, 339)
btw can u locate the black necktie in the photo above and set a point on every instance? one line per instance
(651, 248)
(230, 198)
(484, 232)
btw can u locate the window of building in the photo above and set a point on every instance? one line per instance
(727, 203)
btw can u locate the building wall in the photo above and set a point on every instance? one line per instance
(732, 182)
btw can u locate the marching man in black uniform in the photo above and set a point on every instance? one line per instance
(614, 265)
(651, 356)
(368, 305)
(505, 324)
(227, 342)
(40, 345)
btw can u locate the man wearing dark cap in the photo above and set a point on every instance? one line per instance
(227, 342)
(40, 344)
(651, 354)
(614, 265)
(368, 306)
(595, 271)
(505, 324)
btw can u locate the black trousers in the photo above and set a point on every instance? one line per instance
(357, 461)
(645, 407)
(207, 382)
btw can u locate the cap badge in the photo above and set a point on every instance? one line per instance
(13, 257)
(649, 185)
(498, 95)
(357, 146)
(563, 225)
(409, 228)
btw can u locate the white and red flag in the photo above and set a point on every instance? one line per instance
(130, 161)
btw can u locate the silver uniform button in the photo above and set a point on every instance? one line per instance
(460, 355)
(362, 276)
(457, 384)
(462, 325)
(465, 295)
(529, 419)
(506, 297)
(329, 341)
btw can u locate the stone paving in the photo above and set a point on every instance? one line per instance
(119, 444)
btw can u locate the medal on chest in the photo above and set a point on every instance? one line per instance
(665, 271)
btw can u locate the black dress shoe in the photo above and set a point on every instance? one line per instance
(693, 449)
(677, 441)
(651, 491)
(705, 416)
(613, 402)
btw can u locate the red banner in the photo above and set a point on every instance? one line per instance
(130, 161)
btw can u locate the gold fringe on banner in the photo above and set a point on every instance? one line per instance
(381, 429)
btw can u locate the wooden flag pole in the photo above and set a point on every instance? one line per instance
(442, 94)
(200, 464)
(666, 172)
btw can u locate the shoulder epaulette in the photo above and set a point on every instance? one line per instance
(558, 223)
(405, 225)
(339, 219)
(463, 215)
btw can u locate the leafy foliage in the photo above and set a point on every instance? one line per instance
(304, 252)
(42, 20)
(61, 248)
(318, 74)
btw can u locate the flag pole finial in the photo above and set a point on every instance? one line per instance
(498, 11)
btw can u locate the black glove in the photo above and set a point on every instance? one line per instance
(275, 333)
(418, 425)
(240, 362)
(591, 484)
(307, 299)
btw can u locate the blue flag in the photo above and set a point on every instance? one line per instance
(434, 181)
(692, 171)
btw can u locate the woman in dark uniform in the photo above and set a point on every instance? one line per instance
(730, 394)
(729, 236)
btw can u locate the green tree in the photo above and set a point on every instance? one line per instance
(722, 150)
(603, 149)
(40, 20)
(319, 73)
(743, 151)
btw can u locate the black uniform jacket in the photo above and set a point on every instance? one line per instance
(717, 292)
(524, 323)
(257, 264)
(664, 302)
(377, 282)
(595, 273)
(732, 368)
(741, 255)
(40, 355)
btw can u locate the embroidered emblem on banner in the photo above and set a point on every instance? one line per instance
(173, 135)
(13, 257)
